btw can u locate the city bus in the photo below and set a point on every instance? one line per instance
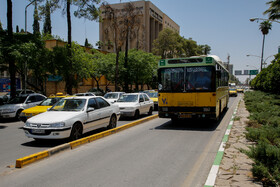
(192, 88)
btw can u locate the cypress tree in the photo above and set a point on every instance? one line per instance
(36, 25)
(47, 24)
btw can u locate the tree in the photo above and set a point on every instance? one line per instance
(115, 27)
(10, 60)
(165, 44)
(1, 28)
(274, 10)
(46, 11)
(36, 24)
(86, 9)
(17, 29)
(265, 26)
(130, 19)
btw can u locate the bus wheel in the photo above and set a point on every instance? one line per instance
(174, 120)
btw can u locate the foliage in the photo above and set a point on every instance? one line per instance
(274, 10)
(36, 24)
(268, 79)
(264, 110)
(170, 44)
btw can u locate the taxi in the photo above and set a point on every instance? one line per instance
(232, 92)
(42, 107)
(154, 96)
(240, 90)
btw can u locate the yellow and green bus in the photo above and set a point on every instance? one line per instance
(192, 87)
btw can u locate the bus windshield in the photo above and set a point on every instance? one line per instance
(187, 79)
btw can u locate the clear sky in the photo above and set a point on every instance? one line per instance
(222, 24)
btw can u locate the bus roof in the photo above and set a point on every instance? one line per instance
(205, 60)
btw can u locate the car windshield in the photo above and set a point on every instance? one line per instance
(49, 101)
(17, 100)
(153, 94)
(128, 98)
(111, 95)
(69, 105)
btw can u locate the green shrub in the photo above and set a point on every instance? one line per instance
(264, 129)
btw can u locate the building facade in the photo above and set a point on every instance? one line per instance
(149, 22)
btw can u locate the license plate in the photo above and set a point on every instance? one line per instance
(185, 116)
(38, 131)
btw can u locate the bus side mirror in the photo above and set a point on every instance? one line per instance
(219, 74)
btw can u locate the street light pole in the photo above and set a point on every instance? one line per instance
(264, 61)
(25, 65)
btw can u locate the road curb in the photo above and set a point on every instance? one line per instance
(71, 145)
(210, 182)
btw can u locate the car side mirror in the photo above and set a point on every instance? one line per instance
(90, 109)
(141, 100)
(27, 102)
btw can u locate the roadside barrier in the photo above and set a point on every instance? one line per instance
(71, 145)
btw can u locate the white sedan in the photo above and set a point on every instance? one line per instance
(113, 96)
(135, 104)
(72, 117)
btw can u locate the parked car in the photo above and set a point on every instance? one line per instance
(5, 98)
(112, 97)
(85, 94)
(96, 91)
(72, 117)
(232, 92)
(135, 104)
(40, 108)
(16, 105)
(154, 96)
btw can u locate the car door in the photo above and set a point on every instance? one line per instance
(30, 102)
(148, 102)
(106, 111)
(142, 104)
(93, 115)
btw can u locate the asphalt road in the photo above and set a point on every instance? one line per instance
(14, 144)
(155, 153)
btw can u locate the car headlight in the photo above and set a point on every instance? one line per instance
(27, 124)
(59, 124)
(8, 111)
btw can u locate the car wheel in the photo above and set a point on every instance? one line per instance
(18, 114)
(76, 132)
(113, 122)
(137, 114)
(150, 111)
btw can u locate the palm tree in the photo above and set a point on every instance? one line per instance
(274, 10)
(265, 26)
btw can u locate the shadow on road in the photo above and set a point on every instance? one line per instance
(3, 127)
(192, 124)
(8, 120)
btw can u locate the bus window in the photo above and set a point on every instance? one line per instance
(172, 79)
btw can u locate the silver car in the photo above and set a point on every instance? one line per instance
(14, 106)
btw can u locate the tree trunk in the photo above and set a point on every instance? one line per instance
(12, 66)
(117, 70)
(126, 61)
(69, 78)
(262, 51)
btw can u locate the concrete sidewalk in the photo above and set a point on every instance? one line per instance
(235, 168)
